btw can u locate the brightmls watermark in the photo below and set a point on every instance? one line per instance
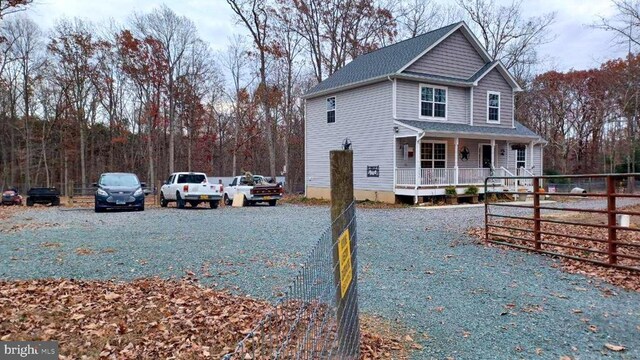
(31, 350)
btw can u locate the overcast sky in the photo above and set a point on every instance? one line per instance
(575, 46)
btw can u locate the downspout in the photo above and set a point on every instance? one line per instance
(419, 137)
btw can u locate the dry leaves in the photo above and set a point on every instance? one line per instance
(147, 318)
(614, 347)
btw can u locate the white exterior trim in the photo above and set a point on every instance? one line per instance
(471, 106)
(394, 100)
(446, 103)
(513, 109)
(499, 106)
(306, 153)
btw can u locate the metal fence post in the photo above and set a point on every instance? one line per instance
(536, 213)
(347, 304)
(611, 214)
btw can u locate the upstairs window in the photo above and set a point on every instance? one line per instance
(331, 110)
(493, 107)
(433, 102)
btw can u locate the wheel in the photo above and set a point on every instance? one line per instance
(214, 204)
(179, 201)
(163, 201)
(245, 202)
(272, 202)
(194, 203)
(55, 202)
(227, 201)
(29, 202)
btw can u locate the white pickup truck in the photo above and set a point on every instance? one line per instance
(255, 189)
(192, 188)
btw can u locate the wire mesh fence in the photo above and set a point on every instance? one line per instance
(317, 317)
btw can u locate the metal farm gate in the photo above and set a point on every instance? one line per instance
(573, 229)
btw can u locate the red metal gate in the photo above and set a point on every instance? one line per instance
(607, 242)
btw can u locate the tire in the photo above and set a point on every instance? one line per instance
(227, 201)
(272, 202)
(141, 208)
(163, 201)
(245, 202)
(55, 202)
(214, 204)
(179, 201)
(194, 203)
(29, 202)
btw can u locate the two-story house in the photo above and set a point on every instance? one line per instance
(422, 114)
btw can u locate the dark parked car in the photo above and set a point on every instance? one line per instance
(10, 196)
(119, 191)
(43, 195)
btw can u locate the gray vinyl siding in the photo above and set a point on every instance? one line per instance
(408, 102)
(401, 162)
(453, 57)
(493, 81)
(364, 115)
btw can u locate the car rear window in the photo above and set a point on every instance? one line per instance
(191, 178)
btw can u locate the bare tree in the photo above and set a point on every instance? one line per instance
(625, 24)
(508, 35)
(254, 15)
(26, 49)
(416, 17)
(177, 34)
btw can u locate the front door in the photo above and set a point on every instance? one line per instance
(485, 156)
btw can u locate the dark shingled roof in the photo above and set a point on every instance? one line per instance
(382, 62)
(433, 126)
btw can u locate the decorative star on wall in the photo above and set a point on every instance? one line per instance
(464, 153)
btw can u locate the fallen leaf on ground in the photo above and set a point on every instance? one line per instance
(613, 347)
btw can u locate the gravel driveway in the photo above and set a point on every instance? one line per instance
(418, 268)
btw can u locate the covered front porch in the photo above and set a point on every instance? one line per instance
(425, 164)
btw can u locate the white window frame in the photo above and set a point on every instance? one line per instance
(446, 102)
(335, 108)
(525, 157)
(446, 160)
(489, 93)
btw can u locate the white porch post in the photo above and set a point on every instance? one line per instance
(418, 156)
(531, 155)
(493, 153)
(455, 166)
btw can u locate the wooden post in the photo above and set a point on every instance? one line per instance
(611, 215)
(347, 301)
(536, 213)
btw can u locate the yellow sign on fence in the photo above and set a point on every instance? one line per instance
(344, 253)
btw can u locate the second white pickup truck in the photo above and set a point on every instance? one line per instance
(192, 188)
(255, 189)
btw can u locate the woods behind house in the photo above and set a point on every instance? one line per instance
(149, 95)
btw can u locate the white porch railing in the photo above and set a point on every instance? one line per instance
(473, 176)
(406, 177)
(438, 176)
